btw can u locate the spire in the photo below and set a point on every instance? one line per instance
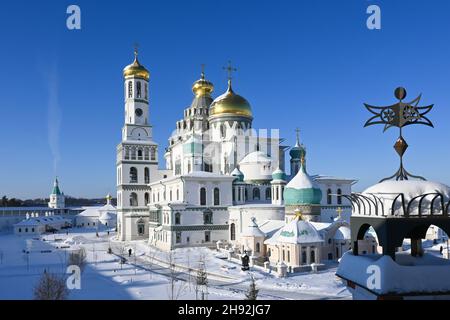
(297, 133)
(136, 53)
(56, 187)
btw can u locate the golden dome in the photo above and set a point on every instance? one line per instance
(230, 103)
(202, 87)
(136, 69)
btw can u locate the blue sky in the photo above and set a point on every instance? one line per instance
(308, 64)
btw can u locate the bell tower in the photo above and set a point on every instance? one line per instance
(137, 155)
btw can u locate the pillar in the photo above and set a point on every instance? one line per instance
(308, 255)
(416, 247)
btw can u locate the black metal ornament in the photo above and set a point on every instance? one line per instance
(400, 115)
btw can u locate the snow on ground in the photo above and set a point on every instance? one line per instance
(146, 274)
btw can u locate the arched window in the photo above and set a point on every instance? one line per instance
(130, 89)
(207, 217)
(339, 196)
(146, 91)
(138, 89)
(303, 257)
(268, 194)
(258, 247)
(222, 131)
(140, 154)
(216, 196)
(177, 218)
(232, 231)
(203, 196)
(276, 194)
(141, 227)
(146, 175)
(178, 194)
(147, 198)
(256, 195)
(246, 195)
(133, 175)
(170, 195)
(329, 196)
(133, 199)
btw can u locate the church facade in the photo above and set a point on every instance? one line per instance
(220, 174)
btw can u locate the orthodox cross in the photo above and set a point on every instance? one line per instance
(339, 211)
(298, 214)
(229, 69)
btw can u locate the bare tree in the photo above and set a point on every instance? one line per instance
(51, 287)
(252, 293)
(201, 281)
(176, 285)
(78, 258)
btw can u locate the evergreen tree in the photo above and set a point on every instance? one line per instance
(252, 293)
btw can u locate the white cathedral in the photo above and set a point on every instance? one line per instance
(223, 182)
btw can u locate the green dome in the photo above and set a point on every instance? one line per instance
(279, 175)
(302, 190)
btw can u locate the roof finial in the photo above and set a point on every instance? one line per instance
(229, 69)
(297, 132)
(203, 71)
(136, 50)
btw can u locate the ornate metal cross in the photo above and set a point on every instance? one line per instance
(400, 115)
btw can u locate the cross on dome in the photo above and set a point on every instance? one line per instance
(229, 69)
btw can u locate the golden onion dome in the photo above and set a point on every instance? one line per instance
(136, 69)
(230, 103)
(202, 87)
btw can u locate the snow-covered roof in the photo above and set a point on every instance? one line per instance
(255, 157)
(106, 216)
(296, 231)
(387, 191)
(343, 233)
(42, 221)
(269, 227)
(253, 230)
(427, 274)
(90, 212)
(302, 181)
(321, 177)
(409, 188)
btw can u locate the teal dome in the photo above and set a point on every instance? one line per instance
(279, 175)
(298, 151)
(238, 174)
(302, 190)
(192, 146)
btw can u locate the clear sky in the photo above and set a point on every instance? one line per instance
(303, 63)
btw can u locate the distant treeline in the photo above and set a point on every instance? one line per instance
(70, 202)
